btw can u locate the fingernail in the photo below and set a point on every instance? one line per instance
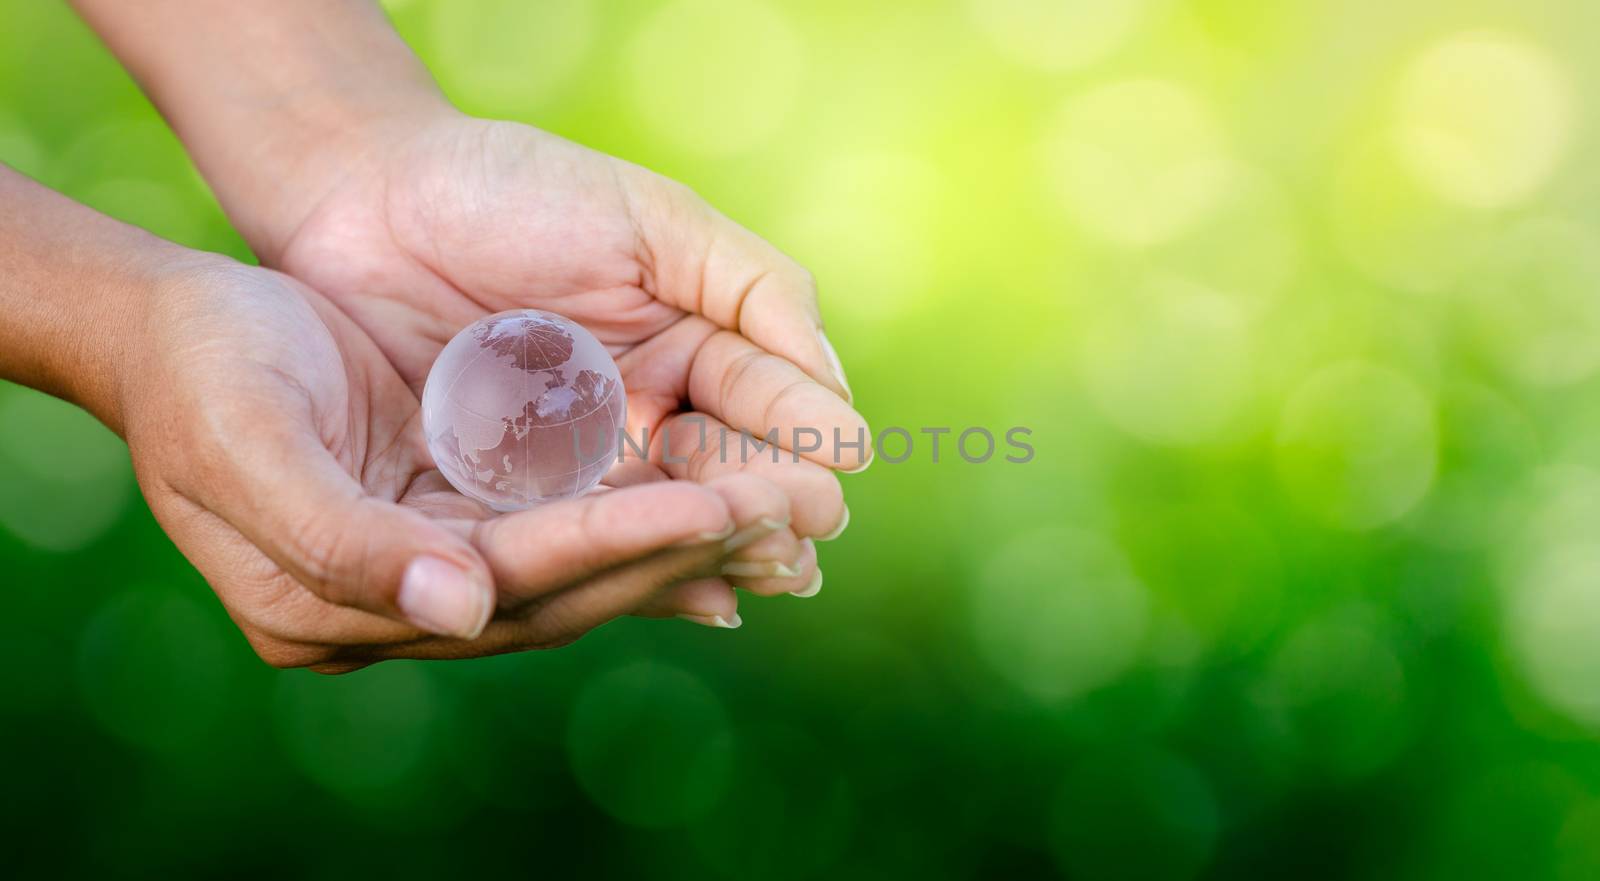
(812, 589)
(758, 569)
(759, 529)
(442, 598)
(835, 366)
(715, 621)
(837, 530)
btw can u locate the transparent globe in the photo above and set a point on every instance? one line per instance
(523, 407)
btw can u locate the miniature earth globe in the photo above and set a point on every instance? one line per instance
(523, 407)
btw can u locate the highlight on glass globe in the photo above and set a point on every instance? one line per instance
(523, 407)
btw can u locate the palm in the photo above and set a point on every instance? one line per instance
(309, 367)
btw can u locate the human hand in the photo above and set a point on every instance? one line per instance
(283, 454)
(340, 162)
(443, 219)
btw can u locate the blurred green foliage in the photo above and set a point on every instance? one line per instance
(1300, 300)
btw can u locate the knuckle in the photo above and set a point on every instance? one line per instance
(784, 397)
(737, 373)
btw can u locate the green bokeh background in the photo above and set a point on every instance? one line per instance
(1301, 302)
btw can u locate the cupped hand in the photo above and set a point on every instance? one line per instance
(437, 223)
(282, 452)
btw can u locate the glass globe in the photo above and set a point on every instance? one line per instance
(523, 407)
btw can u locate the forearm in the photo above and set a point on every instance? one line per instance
(274, 100)
(73, 287)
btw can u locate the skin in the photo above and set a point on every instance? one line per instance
(273, 422)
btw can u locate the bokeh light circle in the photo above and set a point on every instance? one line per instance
(1058, 612)
(1138, 162)
(650, 744)
(715, 77)
(1357, 445)
(1483, 118)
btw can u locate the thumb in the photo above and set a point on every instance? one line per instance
(292, 499)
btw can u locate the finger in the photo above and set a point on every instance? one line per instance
(535, 552)
(696, 447)
(779, 564)
(756, 507)
(693, 359)
(761, 510)
(704, 263)
(754, 391)
(279, 487)
(563, 617)
(710, 602)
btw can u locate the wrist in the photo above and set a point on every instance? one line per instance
(277, 102)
